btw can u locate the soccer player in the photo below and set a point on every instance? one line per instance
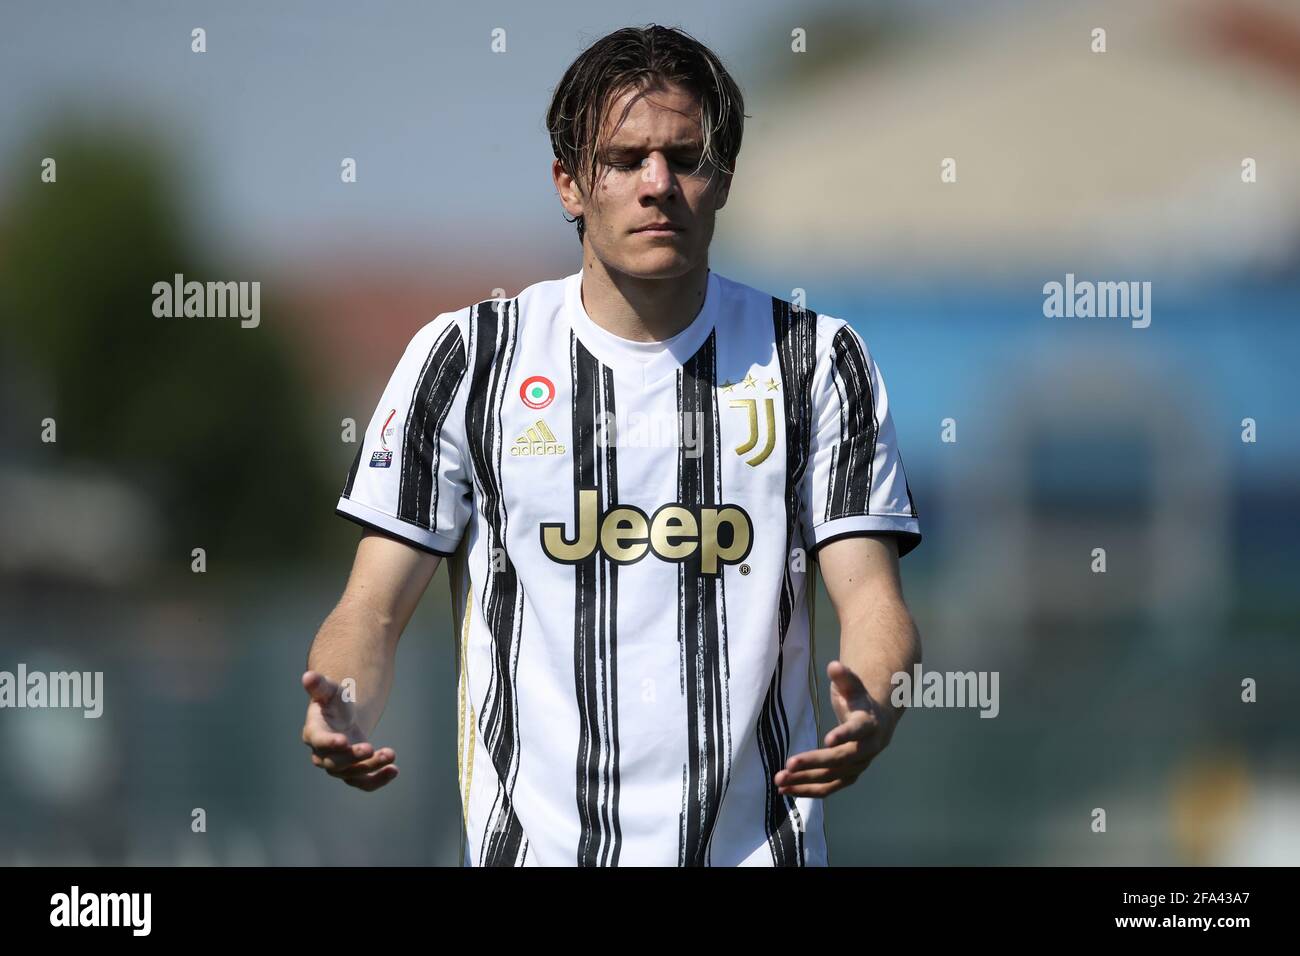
(632, 473)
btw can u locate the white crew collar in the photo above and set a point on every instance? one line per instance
(649, 361)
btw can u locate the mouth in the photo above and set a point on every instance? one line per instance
(659, 229)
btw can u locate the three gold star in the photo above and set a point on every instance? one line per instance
(751, 383)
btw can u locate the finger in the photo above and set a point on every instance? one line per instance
(324, 740)
(828, 757)
(374, 781)
(323, 732)
(849, 771)
(319, 687)
(785, 779)
(815, 789)
(331, 769)
(318, 735)
(858, 725)
(343, 759)
(326, 695)
(381, 759)
(845, 681)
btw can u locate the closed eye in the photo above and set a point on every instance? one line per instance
(686, 163)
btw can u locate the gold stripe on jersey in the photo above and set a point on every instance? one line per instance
(462, 775)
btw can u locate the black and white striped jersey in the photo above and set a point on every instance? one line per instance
(629, 548)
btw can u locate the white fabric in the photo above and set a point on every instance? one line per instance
(617, 349)
(663, 686)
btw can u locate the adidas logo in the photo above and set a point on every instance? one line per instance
(537, 440)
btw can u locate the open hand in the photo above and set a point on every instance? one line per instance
(864, 730)
(338, 745)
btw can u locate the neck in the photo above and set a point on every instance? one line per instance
(642, 310)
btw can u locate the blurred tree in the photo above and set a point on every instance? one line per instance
(211, 421)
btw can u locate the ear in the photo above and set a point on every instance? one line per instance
(567, 187)
(724, 191)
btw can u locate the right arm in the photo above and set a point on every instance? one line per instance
(410, 486)
(359, 641)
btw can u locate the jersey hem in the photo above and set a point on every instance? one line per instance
(906, 528)
(409, 533)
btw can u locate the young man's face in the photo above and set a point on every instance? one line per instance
(648, 170)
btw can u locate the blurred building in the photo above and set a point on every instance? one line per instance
(1127, 160)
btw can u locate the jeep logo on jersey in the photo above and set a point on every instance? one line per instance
(674, 533)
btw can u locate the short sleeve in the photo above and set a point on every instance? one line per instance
(854, 483)
(411, 475)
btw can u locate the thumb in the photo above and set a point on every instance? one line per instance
(335, 709)
(845, 681)
(319, 687)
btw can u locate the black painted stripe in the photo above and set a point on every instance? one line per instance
(583, 374)
(494, 329)
(431, 400)
(352, 472)
(595, 617)
(609, 619)
(911, 502)
(796, 338)
(848, 491)
(701, 619)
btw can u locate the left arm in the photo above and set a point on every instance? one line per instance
(877, 639)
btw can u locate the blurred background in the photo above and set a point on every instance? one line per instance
(1119, 690)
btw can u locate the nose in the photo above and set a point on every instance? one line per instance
(656, 177)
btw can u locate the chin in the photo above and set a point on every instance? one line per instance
(663, 263)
